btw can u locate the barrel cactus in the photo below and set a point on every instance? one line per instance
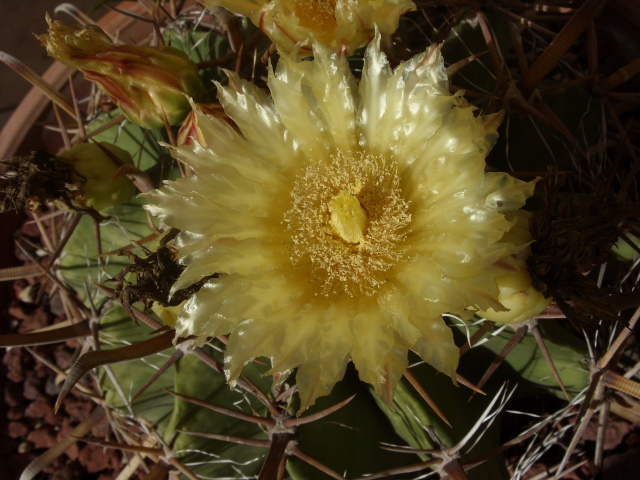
(357, 258)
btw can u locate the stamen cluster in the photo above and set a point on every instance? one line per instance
(349, 220)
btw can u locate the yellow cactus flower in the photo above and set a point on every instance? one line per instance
(148, 83)
(291, 24)
(344, 219)
(517, 293)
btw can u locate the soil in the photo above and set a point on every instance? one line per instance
(30, 388)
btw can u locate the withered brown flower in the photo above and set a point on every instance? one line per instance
(572, 236)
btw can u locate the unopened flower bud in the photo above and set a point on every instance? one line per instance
(95, 177)
(517, 293)
(148, 83)
(190, 130)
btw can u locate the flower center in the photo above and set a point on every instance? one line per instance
(348, 222)
(317, 15)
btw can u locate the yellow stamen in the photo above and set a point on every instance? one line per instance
(348, 221)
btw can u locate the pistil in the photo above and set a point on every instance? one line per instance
(348, 218)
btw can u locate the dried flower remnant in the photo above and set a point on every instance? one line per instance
(34, 180)
(344, 219)
(345, 24)
(570, 239)
(83, 178)
(148, 83)
(155, 275)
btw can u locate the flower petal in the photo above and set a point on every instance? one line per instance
(436, 347)
(399, 110)
(254, 113)
(315, 101)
